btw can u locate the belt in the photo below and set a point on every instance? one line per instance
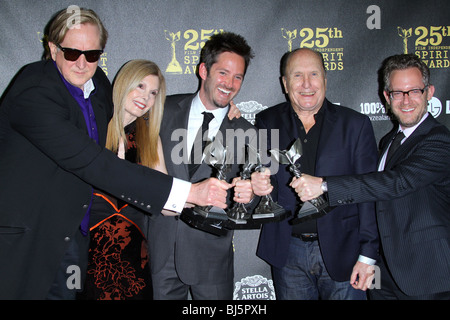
(307, 237)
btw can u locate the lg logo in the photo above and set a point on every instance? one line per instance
(434, 107)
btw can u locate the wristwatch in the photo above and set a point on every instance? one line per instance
(324, 185)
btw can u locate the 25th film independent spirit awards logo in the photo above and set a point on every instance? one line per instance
(256, 287)
(185, 47)
(431, 44)
(329, 41)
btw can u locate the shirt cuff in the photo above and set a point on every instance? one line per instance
(366, 260)
(178, 195)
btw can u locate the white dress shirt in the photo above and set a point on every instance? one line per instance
(180, 188)
(407, 132)
(196, 120)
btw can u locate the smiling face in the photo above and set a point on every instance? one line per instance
(141, 99)
(305, 81)
(408, 111)
(83, 37)
(223, 81)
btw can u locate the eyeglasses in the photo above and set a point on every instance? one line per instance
(414, 93)
(73, 54)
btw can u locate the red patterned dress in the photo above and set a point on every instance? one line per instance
(118, 267)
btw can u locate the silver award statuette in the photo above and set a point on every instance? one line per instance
(267, 208)
(238, 213)
(215, 156)
(311, 209)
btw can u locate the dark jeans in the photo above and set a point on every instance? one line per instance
(304, 277)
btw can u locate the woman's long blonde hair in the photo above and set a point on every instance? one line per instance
(148, 126)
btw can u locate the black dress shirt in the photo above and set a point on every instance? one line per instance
(310, 141)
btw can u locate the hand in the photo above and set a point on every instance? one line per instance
(234, 112)
(362, 276)
(307, 187)
(121, 149)
(243, 192)
(261, 182)
(209, 192)
(169, 213)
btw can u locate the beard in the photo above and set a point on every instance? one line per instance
(408, 121)
(219, 105)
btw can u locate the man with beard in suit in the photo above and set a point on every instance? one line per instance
(186, 259)
(53, 123)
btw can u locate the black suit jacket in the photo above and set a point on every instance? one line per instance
(200, 257)
(413, 203)
(346, 144)
(48, 167)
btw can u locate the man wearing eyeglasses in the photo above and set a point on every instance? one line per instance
(53, 124)
(412, 189)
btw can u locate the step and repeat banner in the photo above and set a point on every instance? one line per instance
(354, 36)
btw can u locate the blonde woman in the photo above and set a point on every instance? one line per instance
(140, 91)
(118, 259)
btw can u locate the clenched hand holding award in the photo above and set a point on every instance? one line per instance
(311, 209)
(209, 218)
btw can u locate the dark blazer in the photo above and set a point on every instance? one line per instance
(48, 167)
(346, 144)
(412, 202)
(200, 257)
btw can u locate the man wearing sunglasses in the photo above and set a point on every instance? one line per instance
(412, 189)
(53, 123)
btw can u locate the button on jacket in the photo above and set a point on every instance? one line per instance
(48, 166)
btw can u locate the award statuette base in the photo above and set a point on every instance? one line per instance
(269, 211)
(242, 224)
(274, 211)
(211, 212)
(313, 209)
(216, 221)
(240, 218)
(261, 215)
(212, 223)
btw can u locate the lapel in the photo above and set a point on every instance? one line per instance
(179, 118)
(288, 132)
(327, 137)
(418, 134)
(384, 143)
(205, 170)
(328, 125)
(100, 104)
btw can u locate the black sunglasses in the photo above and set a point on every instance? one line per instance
(73, 54)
